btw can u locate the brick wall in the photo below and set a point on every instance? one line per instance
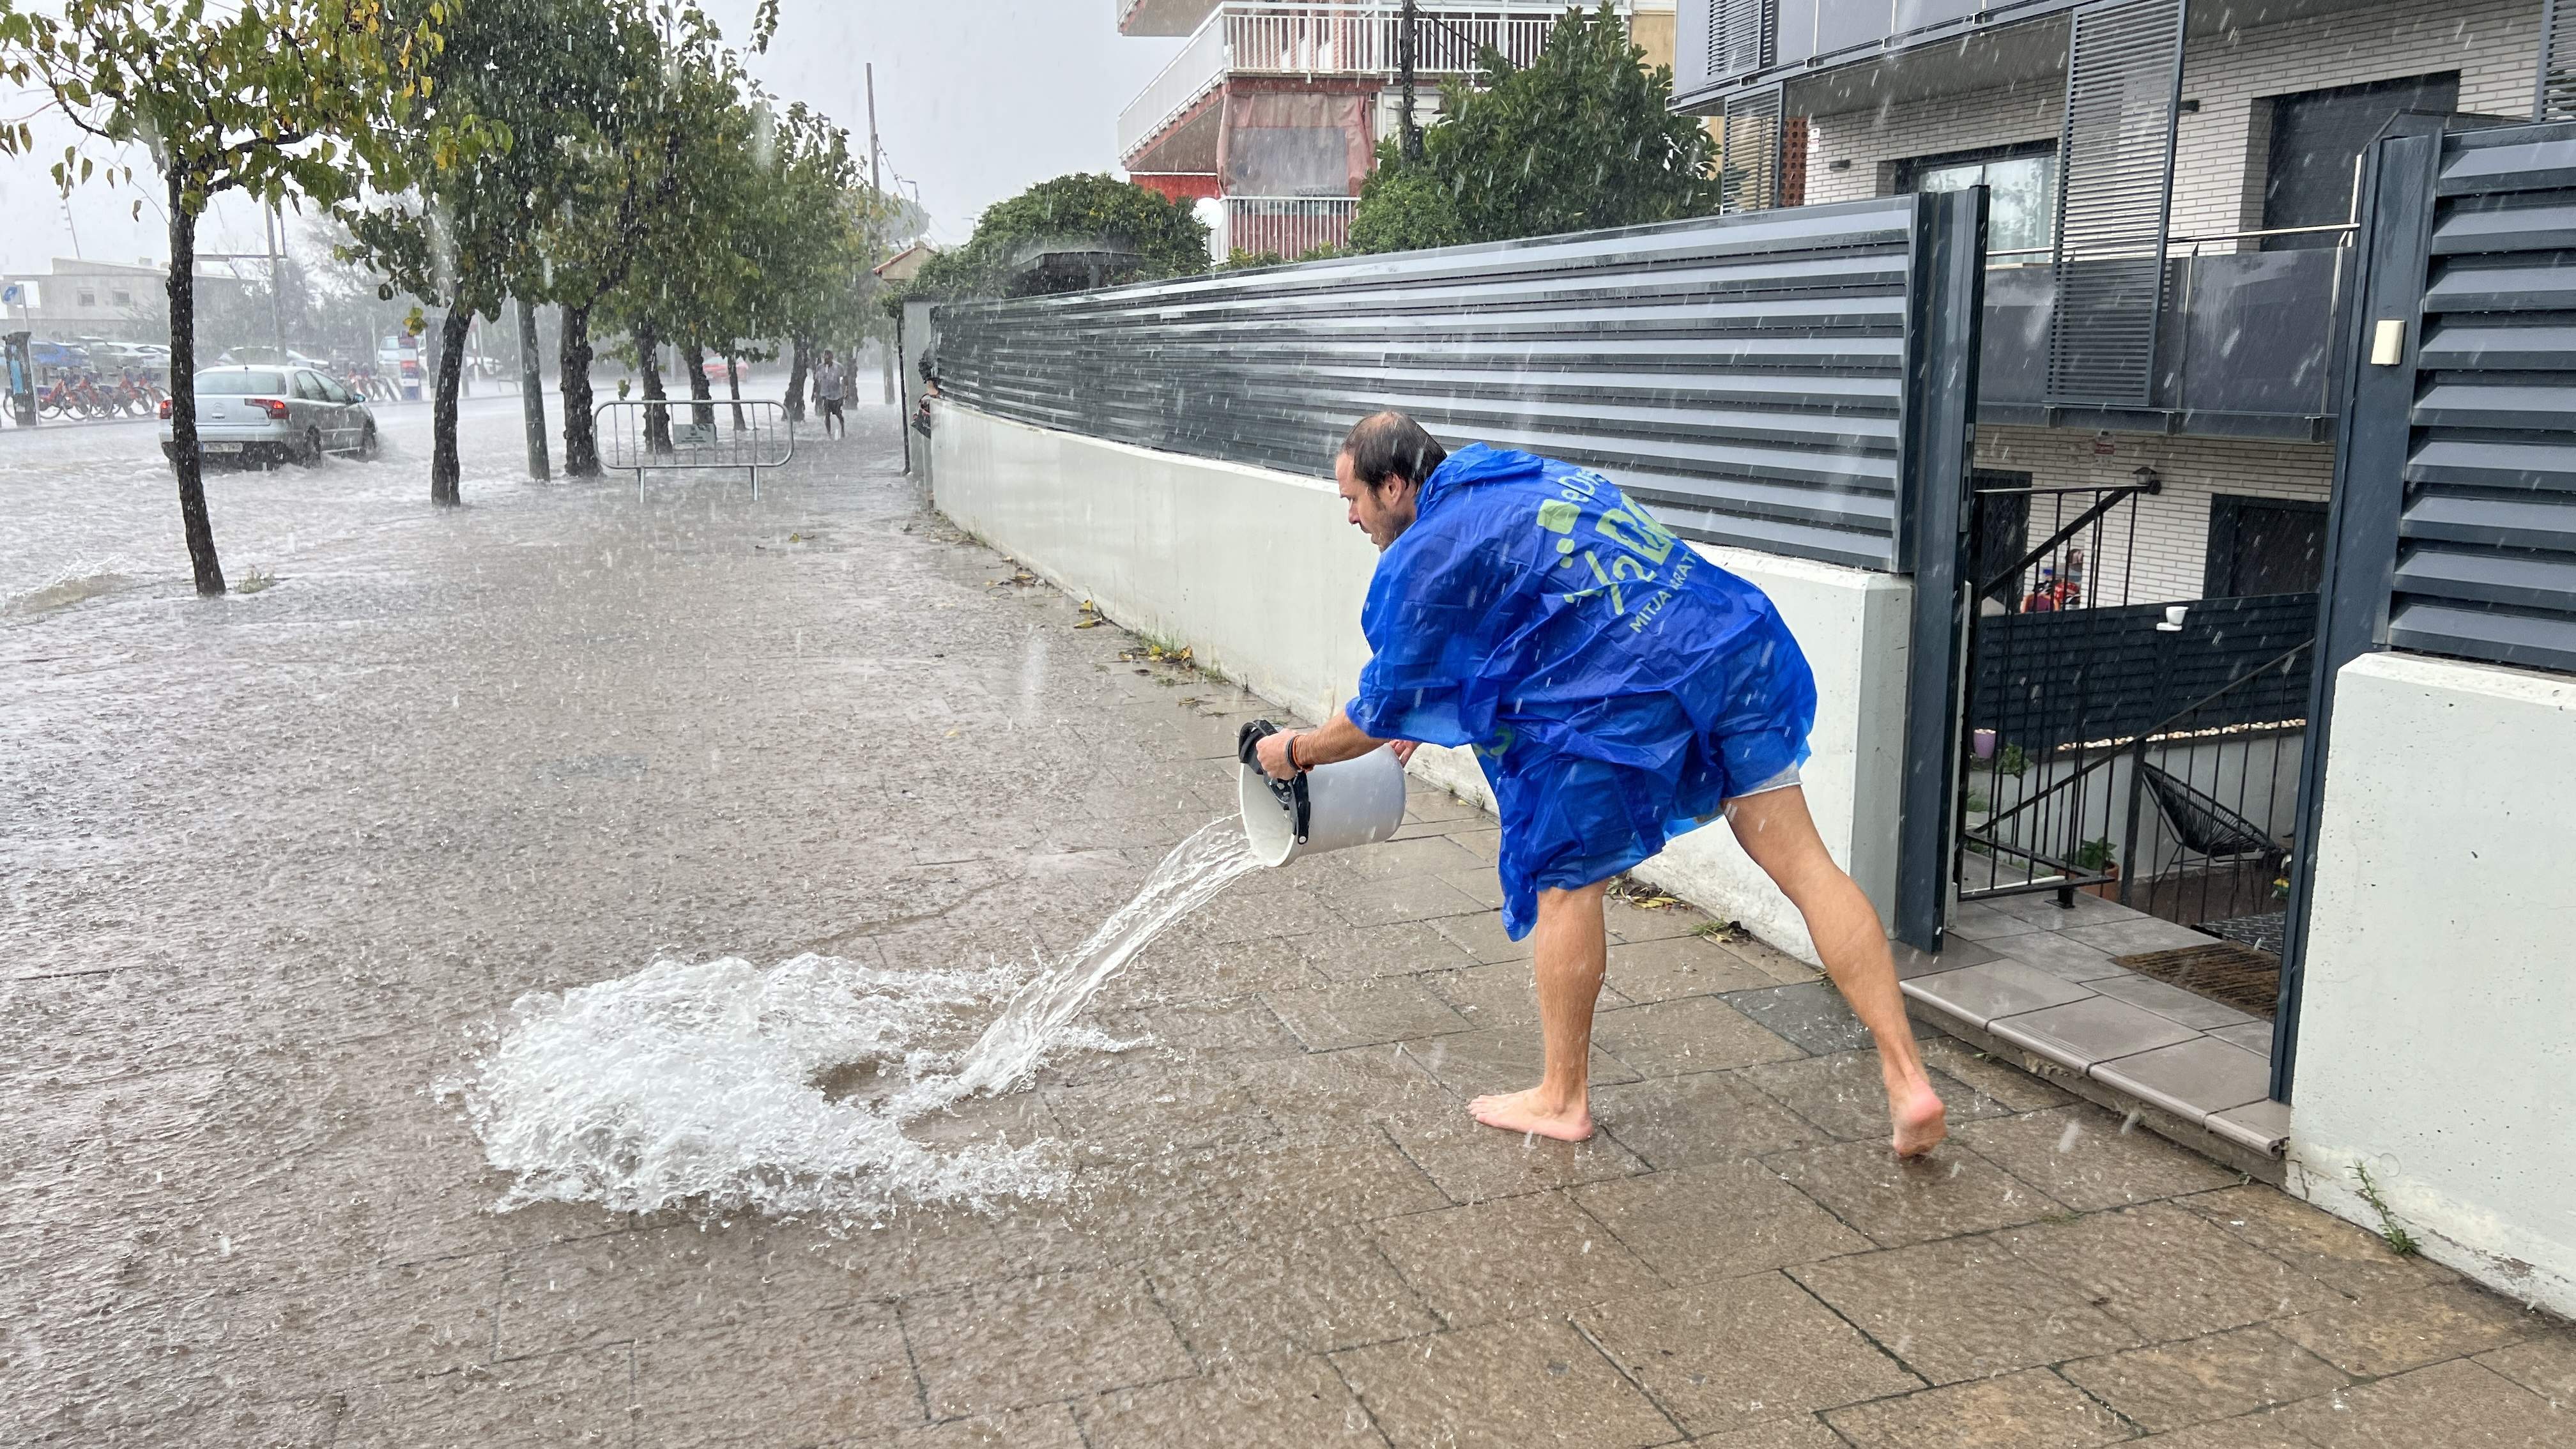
(2219, 150)
(2171, 528)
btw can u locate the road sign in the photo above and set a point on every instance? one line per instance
(12, 294)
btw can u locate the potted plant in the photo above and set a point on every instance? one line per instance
(2095, 857)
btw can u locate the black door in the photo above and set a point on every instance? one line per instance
(2001, 534)
(2316, 138)
(2263, 546)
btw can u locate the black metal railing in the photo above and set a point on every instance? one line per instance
(2149, 751)
(2038, 585)
(2212, 797)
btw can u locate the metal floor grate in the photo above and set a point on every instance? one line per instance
(2228, 972)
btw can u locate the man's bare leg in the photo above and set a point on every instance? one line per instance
(1776, 830)
(1572, 950)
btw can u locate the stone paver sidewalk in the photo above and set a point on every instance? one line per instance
(277, 865)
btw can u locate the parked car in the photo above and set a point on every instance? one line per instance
(55, 356)
(268, 357)
(111, 358)
(272, 415)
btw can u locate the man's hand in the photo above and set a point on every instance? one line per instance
(1273, 754)
(1331, 743)
(1404, 750)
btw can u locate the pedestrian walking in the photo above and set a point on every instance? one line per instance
(1618, 690)
(827, 394)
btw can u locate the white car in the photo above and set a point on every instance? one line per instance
(272, 415)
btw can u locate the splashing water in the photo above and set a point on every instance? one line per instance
(710, 1083)
(1197, 869)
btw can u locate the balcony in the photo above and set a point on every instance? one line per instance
(2245, 343)
(1161, 17)
(1286, 227)
(1853, 55)
(1159, 129)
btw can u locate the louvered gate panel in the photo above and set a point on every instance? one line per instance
(1749, 161)
(2556, 98)
(2115, 186)
(2486, 555)
(1740, 36)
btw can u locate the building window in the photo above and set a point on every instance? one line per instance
(2021, 215)
(88, 299)
(2318, 135)
(121, 297)
(2263, 546)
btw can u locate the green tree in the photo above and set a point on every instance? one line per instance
(1578, 139)
(516, 77)
(624, 171)
(1077, 211)
(1405, 208)
(278, 99)
(690, 277)
(820, 232)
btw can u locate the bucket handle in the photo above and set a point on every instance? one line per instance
(1291, 792)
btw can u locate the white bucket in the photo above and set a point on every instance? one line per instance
(1355, 802)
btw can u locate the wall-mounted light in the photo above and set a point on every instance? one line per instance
(2191, 108)
(1842, 165)
(2148, 480)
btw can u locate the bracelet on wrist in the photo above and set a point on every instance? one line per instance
(1292, 752)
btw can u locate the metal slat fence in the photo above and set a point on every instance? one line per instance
(1745, 375)
(2486, 551)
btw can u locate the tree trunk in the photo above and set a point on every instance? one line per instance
(532, 390)
(581, 437)
(885, 362)
(444, 466)
(187, 460)
(796, 381)
(657, 420)
(700, 390)
(733, 384)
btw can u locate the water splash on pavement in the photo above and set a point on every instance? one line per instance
(1214, 857)
(713, 1083)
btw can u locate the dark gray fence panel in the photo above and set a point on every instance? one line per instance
(1744, 375)
(2486, 554)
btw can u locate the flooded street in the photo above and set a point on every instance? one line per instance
(277, 867)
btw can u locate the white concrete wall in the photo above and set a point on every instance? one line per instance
(1259, 573)
(2437, 1037)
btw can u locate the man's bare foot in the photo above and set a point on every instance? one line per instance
(1529, 1112)
(1921, 1120)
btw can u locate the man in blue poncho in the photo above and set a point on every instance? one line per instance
(1618, 689)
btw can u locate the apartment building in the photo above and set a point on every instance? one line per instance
(1272, 112)
(83, 298)
(2222, 134)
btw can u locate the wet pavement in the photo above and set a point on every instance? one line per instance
(274, 863)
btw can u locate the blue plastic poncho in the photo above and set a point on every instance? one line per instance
(1616, 685)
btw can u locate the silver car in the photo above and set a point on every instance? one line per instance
(272, 415)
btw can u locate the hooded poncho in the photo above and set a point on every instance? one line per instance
(1616, 686)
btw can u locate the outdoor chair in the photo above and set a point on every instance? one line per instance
(2205, 828)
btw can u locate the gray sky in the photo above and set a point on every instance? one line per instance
(976, 100)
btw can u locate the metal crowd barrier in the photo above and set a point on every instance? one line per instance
(644, 434)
